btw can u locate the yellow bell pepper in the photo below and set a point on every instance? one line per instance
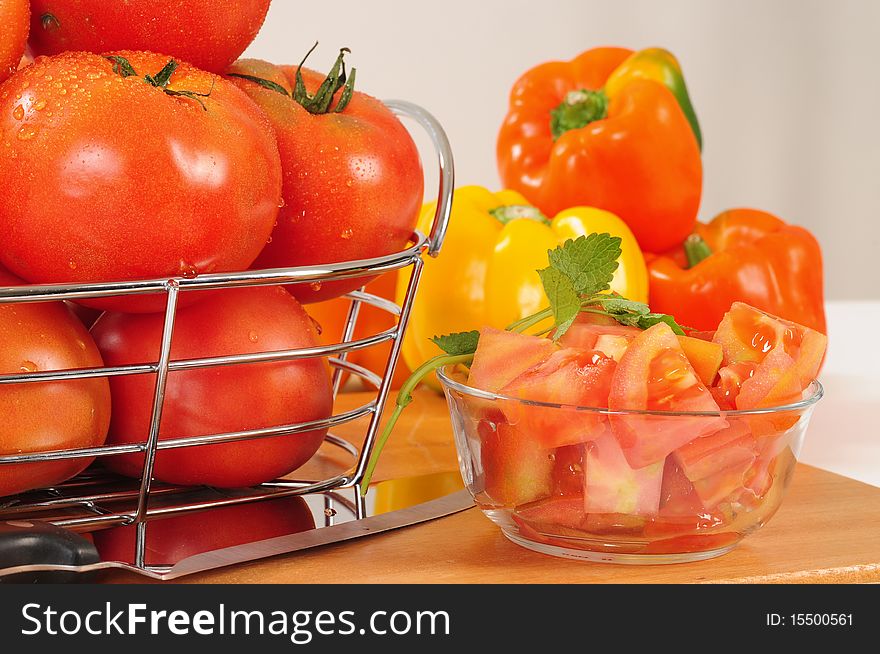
(487, 271)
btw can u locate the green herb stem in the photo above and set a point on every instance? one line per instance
(404, 398)
(524, 323)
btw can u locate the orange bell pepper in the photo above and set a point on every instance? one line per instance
(607, 130)
(743, 255)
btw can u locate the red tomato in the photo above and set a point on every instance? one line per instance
(110, 178)
(352, 180)
(654, 374)
(572, 378)
(217, 400)
(174, 538)
(205, 33)
(502, 356)
(48, 415)
(14, 15)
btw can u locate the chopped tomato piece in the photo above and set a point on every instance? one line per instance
(569, 377)
(704, 356)
(787, 356)
(612, 486)
(703, 457)
(502, 356)
(516, 469)
(568, 471)
(654, 374)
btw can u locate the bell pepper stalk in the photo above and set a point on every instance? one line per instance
(743, 255)
(610, 129)
(487, 272)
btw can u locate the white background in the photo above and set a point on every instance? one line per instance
(787, 92)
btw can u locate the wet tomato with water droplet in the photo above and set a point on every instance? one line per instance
(222, 399)
(352, 180)
(128, 181)
(205, 33)
(47, 415)
(14, 16)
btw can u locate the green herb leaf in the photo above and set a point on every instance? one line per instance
(121, 66)
(651, 319)
(620, 305)
(564, 300)
(588, 261)
(458, 343)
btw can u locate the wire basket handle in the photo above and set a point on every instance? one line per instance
(440, 222)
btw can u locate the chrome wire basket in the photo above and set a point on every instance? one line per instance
(96, 500)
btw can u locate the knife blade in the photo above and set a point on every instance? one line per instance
(395, 503)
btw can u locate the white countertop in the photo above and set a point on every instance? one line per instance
(843, 436)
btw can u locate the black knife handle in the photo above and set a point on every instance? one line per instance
(29, 542)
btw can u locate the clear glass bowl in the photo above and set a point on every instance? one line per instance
(577, 482)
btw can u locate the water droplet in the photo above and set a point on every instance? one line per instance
(27, 132)
(281, 203)
(62, 91)
(315, 286)
(269, 240)
(72, 264)
(18, 112)
(39, 105)
(187, 270)
(28, 366)
(81, 344)
(253, 337)
(346, 234)
(48, 78)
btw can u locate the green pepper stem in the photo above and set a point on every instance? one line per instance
(696, 249)
(507, 212)
(404, 398)
(578, 109)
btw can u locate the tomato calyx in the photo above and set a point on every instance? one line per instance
(578, 109)
(265, 83)
(336, 79)
(50, 22)
(123, 68)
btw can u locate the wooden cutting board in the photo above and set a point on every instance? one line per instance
(828, 530)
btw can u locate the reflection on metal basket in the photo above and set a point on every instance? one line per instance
(89, 496)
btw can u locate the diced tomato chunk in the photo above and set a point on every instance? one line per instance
(516, 469)
(570, 377)
(612, 486)
(705, 456)
(568, 471)
(502, 356)
(654, 374)
(786, 356)
(704, 356)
